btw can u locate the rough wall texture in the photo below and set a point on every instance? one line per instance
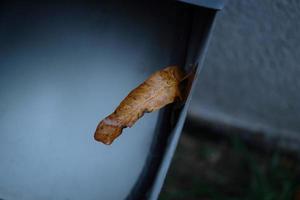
(251, 74)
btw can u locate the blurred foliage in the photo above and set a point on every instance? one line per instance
(208, 170)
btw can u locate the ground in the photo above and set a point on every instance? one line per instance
(210, 169)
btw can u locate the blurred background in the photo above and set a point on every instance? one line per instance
(241, 138)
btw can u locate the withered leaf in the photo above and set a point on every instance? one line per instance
(160, 89)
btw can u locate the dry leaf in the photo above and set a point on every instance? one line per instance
(160, 89)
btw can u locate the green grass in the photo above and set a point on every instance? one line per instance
(206, 170)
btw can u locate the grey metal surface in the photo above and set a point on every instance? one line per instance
(251, 75)
(64, 67)
(213, 4)
(202, 26)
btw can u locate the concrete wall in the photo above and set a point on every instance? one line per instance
(251, 74)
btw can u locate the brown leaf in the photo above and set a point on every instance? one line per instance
(160, 89)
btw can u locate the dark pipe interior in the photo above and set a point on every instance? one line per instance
(64, 66)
